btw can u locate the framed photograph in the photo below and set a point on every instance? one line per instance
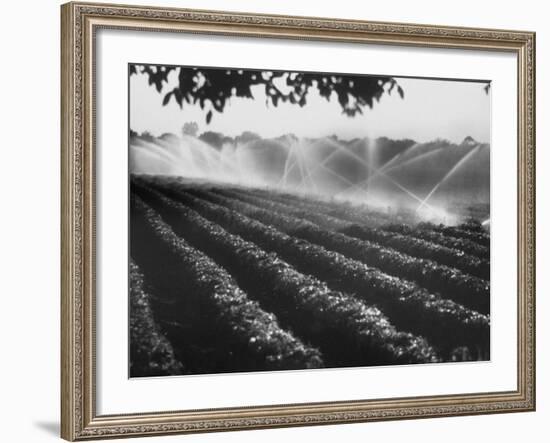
(282, 221)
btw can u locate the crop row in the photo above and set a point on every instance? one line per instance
(481, 238)
(340, 209)
(347, 331)
(296, 210)
(450, 283)
(211, 323)
(471, 238)
(290, 208)
(468, 246)
(306, 305)
(151, 354)
(409, 245)
(446, 324)
(415, 247)
(472, 225)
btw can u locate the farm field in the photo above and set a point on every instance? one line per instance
(226, 278)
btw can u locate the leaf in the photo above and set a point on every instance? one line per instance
(158, 84)
(178, 96)
(208, 117)
(343, 99)
(400, 91)
(167, 98)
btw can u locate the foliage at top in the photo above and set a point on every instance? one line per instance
(212, 88)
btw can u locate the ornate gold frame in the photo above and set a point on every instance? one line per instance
(79, 21)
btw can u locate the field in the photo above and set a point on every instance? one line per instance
(231, 279)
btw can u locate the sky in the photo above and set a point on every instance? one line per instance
(430, 109)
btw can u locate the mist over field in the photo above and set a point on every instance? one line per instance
(439, 180)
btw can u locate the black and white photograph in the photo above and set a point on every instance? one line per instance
(283, 220)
